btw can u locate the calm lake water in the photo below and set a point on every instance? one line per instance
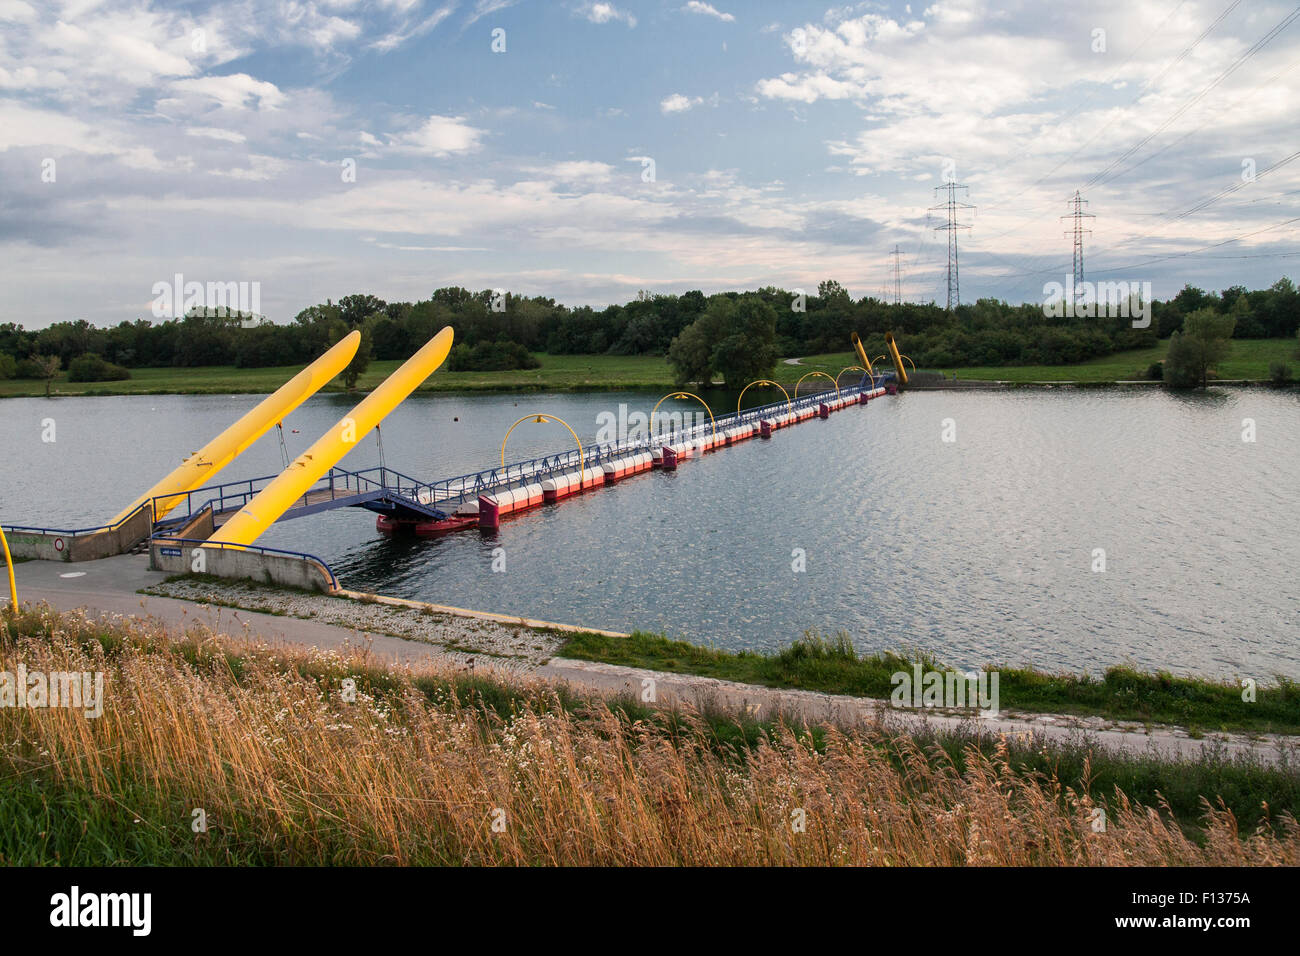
(979, 550)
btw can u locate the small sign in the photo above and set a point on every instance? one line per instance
(58, 544)
(170, 552)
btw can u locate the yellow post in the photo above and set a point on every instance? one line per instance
(898, 359)
(292, 483)
(862, 353)
(540, 419)
(9, 563)
(198, 469)
(676, 395)
(763, 381)
(834, 381)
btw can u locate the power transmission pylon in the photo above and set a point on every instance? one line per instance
(898, 285)
(952, 207)
(1078, 216)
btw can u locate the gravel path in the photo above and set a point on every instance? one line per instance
(451, 632)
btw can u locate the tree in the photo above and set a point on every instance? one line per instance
(360, 362)
(1204, 342)
(47, 366)
(690, 354)
(747, 350)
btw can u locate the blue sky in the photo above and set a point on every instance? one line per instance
(790, 142)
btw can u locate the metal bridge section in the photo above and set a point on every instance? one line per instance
(388, 492)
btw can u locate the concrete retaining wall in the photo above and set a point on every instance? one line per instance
(83, 547)
(281, 569)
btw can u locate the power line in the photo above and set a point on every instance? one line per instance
(1254, 49)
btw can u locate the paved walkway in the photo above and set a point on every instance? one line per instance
(109, 586)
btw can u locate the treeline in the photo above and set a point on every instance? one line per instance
(498, 331)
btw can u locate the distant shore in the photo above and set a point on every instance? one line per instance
(1247, 365)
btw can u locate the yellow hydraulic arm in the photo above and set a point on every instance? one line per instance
(862, 354)
(292, 483)
(898, 359)
(198, 469)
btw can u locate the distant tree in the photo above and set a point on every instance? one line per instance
(691, 354)
(360, 362)
(1204, 342)
(47, 366)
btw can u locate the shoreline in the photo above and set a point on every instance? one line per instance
(509, 388)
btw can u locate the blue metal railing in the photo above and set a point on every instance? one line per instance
(261, 549)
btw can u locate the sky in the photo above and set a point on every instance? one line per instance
(584, 151)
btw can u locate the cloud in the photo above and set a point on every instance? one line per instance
(606, 13)
(441, 136)
(575, 171)
(677, 103)
(484, 8)
(406, 31)
(237, 91)
(708, 10)
(212, 132)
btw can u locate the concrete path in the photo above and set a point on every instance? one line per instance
(109, 586)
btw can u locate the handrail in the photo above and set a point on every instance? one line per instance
(72, 532)
(225, 546)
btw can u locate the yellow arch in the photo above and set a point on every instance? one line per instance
(850, 368)
(540, 418)
(712, 421)
(9, 563)
(833, 381)
(763, 381)
(908, 360)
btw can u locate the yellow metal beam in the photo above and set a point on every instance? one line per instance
(198, 469)
(292, 483)
(862, 354)
(898, 359)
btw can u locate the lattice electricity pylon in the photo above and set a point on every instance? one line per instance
(898, 284)
(952, 207)
(1078, 215)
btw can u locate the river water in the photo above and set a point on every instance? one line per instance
(986, 549)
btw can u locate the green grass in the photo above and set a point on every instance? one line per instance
(834, 667)
(558, 373)
(1249, 359)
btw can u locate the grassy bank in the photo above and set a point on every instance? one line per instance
(415, 769)
(834, 667)
(1250, 360)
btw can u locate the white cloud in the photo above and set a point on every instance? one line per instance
(441, 136)
(212, 132)
(708, 10)
(606, 13)
(406, 32)
(678, 103)
(236, 91)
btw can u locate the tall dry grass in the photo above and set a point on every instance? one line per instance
(417, 771)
